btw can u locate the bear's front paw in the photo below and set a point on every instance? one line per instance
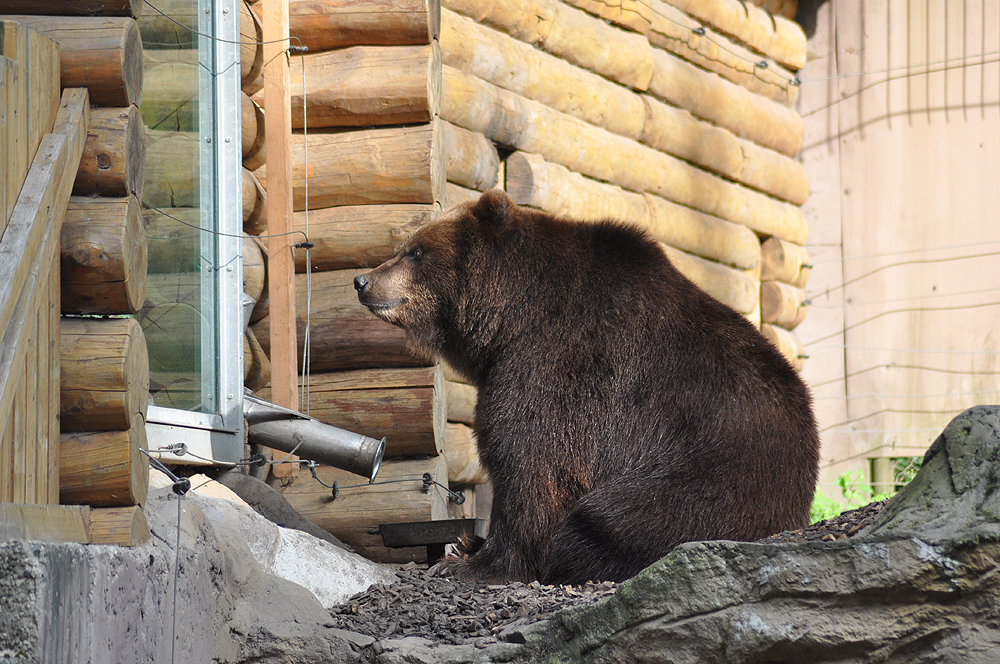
(450, 565)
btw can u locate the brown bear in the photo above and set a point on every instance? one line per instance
(621, 410)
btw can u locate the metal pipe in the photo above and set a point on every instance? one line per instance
(287, 430)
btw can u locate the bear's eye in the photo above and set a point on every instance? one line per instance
(416, 253)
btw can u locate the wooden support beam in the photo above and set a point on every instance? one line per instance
(102, 54)
(282, 340)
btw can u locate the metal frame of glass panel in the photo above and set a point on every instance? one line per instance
(217, 433)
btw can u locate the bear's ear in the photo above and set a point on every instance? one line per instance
(493, 209)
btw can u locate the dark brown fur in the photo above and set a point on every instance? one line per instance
(621, 412)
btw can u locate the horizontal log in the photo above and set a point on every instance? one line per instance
(119, 526)
(527, 125)
(170, 102)
(171, 287)
(679, 133)
(671, 29)
(174, 240)
(782, 304)
(114, 156)
(456, 193)
(406, 406)
(357, 236)
(726, 104)
(391, 165)
(358, 510)
(769, 32)
(131, 8)
(322, 26)
(257, 366)
(104, 468)
(172, 26)
(516, 66)
(366, 85)
(553, 188)
(734, 288)
(254, 204)
(180, 390)
(703, 234)
(172, 174)
(462, 455)
(102, 54)
(104, 374)
(569, 33)
(461, 399)
(251, 50)
(254, 269)
(254, 138)
(784, 261)
(786, 342)
(344, 334)
(104, 256)
(471, 159)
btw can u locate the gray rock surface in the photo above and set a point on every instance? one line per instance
(919, 585)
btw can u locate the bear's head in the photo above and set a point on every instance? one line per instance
(430, 286)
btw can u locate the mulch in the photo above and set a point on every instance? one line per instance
(446, 610)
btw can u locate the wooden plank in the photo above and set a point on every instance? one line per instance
(282, 337)
(17, 151)
(344, 334)
(45, 523)
(52, 463)
(30, 404)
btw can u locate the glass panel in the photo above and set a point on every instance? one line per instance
(179, 199)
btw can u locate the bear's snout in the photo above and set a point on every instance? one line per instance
(361, 284)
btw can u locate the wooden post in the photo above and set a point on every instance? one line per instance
(281, 265)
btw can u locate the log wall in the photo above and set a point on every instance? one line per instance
(673, 115)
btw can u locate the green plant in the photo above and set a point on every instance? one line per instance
(855, 491)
